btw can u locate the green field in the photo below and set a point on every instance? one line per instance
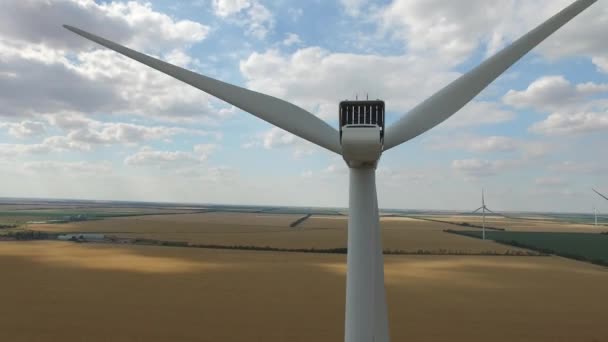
(581, 246)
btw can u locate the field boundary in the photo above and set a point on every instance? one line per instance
(460, 224)
(38, 235)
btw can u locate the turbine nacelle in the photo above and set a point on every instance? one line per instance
(362, 132)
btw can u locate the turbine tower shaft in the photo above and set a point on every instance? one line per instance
(595, 213)
(483, 222)
(483, 215)
(366, 315)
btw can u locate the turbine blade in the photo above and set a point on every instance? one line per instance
(492, 211)
(597, 192)
(268, 108)
(478, 209)
(454, 96)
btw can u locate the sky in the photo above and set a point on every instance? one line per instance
(80, 121)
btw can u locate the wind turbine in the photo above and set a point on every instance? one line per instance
(361, 140)
(594, 208)
(595, 213)
(483, 209)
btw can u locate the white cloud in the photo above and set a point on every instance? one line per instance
(63, 143)
(476, 168)
(315, 79)
(532, 150)
(132, 23)
(141, 90)
(526, 149)
(449, 29)
(572, 123)
(491, 144)
(295, 13)
(584, 36)
(249, 13)
(260, 20)
(401, 177)
(478, 113)
(601, 63)
(34, 49)
(153, 26)
(83, 134)
(224, 8)
(156, 158)
(25, 129)
(574, 108)
(162, 159)
(71, 168)
(51, 144)
(225, 175)
(276, 138)
(580, 167)
(337, 168)
(553, 93)
(307, 174)
(292, 39)
(14, 150)
(85, 131)
(550, 182)
(353, 7)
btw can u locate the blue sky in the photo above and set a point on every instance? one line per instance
(79, 121)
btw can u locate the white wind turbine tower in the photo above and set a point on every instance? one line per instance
(361, 141)
(595, 213)
(483, 209)
(594, 208)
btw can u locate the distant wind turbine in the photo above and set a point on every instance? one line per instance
(361, 140)
(595, 213)
(483, 209)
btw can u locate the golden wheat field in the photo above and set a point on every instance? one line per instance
(61, 291)
(263, 230)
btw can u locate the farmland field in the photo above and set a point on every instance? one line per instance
(60, 291)
(592, 247)
(23, 215)
(99, 292)
(273, 230)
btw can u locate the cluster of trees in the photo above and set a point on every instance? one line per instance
(158, 242)
(464, 253)
(273, 249)
(463, 224)
(8, 226)
(300, 220)
(29, 235)
(339, 250)
(466, 224)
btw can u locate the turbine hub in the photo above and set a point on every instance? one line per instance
(362, 132)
